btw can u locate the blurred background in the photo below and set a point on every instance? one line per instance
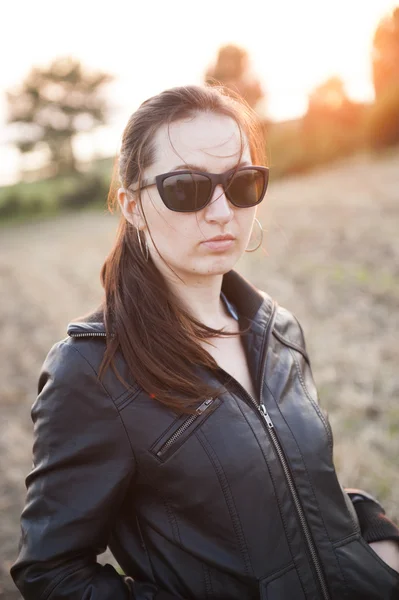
(324, 79)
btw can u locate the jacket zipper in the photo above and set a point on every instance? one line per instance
(170, 441)
(301, 515)
(261, 409)
(91, 334)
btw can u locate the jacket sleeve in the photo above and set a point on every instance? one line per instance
(373, 522)
(82, 467)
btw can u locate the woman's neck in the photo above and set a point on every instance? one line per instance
(201, 297)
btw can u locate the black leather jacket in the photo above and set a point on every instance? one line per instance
(239, 501)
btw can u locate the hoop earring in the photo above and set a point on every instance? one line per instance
(261, 237)
(145, 254)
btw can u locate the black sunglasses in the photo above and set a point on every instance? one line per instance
(189, 191)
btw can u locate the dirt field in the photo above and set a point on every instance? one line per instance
(331, 255)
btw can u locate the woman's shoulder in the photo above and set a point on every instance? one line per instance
(287, 327)
(75, 360)
(67, 365)
(70, 376)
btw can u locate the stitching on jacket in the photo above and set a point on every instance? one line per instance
(314, 404)
(267, 333)
(276, 495)
(122, 404)
(310, 482)
(54, 584)
(207, 582)
(172, 520)
(355, 523)
(343, 575)
(145, 548)
(125, 395)
(126, 392)
(224, 484)
(291, 344)
(277, 573)
(160, 494)
(304, 464)
(346, 540)
(109, 396)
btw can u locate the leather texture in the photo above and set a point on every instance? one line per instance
(208, 509)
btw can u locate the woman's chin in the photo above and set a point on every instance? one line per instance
(215, 264)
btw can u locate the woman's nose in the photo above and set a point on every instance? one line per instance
(219, 208)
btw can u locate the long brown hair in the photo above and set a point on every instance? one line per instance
(144, 319)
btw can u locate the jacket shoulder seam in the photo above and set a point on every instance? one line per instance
(92, 368)
(291, 344)
(107, 393)
(118, 400)
(289, 317)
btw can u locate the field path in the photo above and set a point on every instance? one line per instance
(331, 255)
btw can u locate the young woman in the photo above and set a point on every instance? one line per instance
(179, 423)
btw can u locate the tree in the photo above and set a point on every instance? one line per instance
(385, 53)
(383, 123)
(52, 105)
(232, 70)
(329, 96)
(332, 123)
(329, 103)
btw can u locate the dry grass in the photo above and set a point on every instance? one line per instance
(331, 256)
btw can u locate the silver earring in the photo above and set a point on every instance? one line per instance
(145, 254)
(261, 237)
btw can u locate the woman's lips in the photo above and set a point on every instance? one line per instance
(219, 245)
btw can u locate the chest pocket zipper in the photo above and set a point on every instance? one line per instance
(160, 451)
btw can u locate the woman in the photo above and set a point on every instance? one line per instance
(179, 423)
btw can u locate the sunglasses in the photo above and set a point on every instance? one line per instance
(189, 191)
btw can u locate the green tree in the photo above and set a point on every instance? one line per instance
(232, 70)
(52, 105)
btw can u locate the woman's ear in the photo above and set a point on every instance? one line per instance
(130, 207)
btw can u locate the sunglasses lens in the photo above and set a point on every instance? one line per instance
(186, 192)
(247, 187)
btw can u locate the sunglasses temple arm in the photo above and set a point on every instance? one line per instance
(134, 187)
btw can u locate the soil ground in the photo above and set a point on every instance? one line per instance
(330, 255)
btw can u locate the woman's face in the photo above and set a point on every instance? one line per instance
(211, 143)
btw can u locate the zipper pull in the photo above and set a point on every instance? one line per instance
(204, 406)
(265, 415)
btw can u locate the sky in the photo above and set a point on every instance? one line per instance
(151, 45)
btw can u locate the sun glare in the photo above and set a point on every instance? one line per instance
(293, 46)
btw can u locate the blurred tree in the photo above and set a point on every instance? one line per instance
(332, 123)
(383, 122)
(232, 70)
(52, 105)
(329, 103)
(329, 96)
(385, 53)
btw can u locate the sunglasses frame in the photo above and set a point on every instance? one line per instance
(215, 178)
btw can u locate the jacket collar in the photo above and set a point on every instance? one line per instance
(252, 306)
